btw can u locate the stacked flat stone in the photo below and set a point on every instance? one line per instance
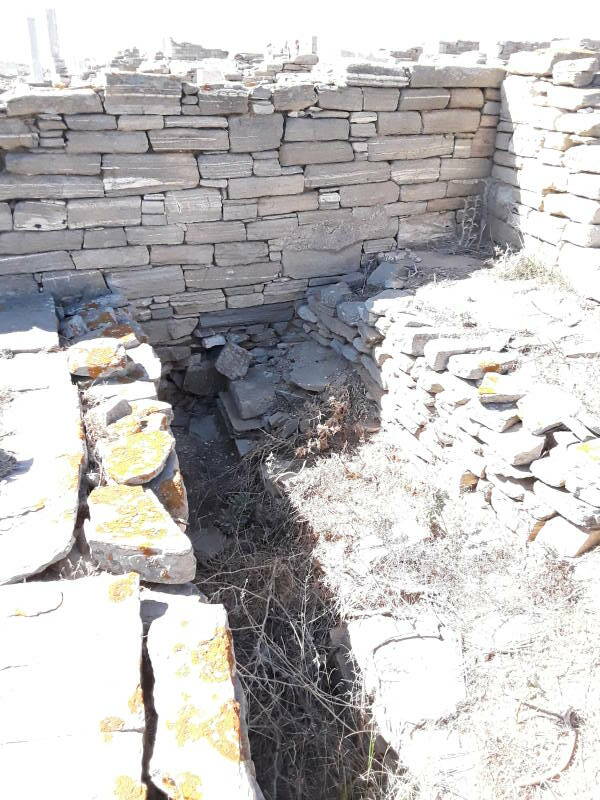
(215, 208)
(547, 162)
(463, 401)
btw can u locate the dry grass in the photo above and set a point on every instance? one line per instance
(516, 265)
(390, 541)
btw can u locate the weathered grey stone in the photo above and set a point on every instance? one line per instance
(300, 153)
(287, 204)
(54, 101)
(271, 228)
(276, 312)
(425, 75)
(134, 283)
(313, 263)
(250, 133)
(466, 98)
(400, 147)
(193, 303)
(540, 62)
(193, 205)
(6, 217)
(55, 163)
(91, 122)
(140, 122)
(451, 121)
(381, 99)
(342, 99)
(398, 122)
(111, 257)
(224, 101)
(369, 194)
(22, 242)
(140, 174)
(306, 129)
(222, 277)
(294, 98)
(104, 212)
(421, 170)
(106, 142)
(51, 187)
(139, 93)
(233, 361)
(15, 133)
(232, 253)
(212, 232)
(84, 283)
(254, 394)
(462, 168)
(46, 215)
(225, 165)
(323, 175)
(181, 254)
(38, 262)
(194, 122)
(189, 139)
(240, 188)
(423, 99)
(159, 234)
(421, 229)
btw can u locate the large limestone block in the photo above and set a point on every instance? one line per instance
(306, 129)
(578, 209)
(387, 148)
(580, 124)
(271, 228)
(241, 188)
(111, 257)
(294, 98)
(193, 205)
(341, 99)
(451, 121)
(398, 122)
(45, 215)
(48, 641)
(231, 254)
(585, 184)
(181, 254)
(91, 122)
(382, 99)
(134, 283)
(16, 133)
(575, 72)
(54, 101)
(540, 62)
(583, 158)
(425, 227)
(573, 99)
(201, 746)
(300, 153)
(288, 204)
(421, 170)
(48, 187)
(466, 98)
(250, 133)
(60, 285)
(55, 163)
(36, 262)
(582, 235)
(139, 93)
(213, 232)
(129, 530)
(209, 278)
(189, 139)
(137, 458)
(105, 212)
(106, 142)
(155, 234)
(462, 168)
(323, 175)
(225, 165)
(151, 172)
(479, 76)
(142, 122)
(369, 194)
(316, 263)
(22, 242)
(224, 101)
(423, 99)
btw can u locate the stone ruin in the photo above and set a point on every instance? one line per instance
(171, 234)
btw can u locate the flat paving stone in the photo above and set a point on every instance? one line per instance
(72, 707)
(28, 324)
(314, 366)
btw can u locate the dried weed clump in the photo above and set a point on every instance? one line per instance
(524, 264)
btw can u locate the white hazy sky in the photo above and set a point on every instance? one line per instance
(99, 29)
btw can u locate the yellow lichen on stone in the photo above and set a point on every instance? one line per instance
(171, 493)
(488, 384)
(124, 427)
(136, 701)
(591, 450)
(109, 725)
(188, 787)
(215, 657)
(137, 458)
(122, 588)
(222, 730)
(126, 788)
(100, 358)
(134, 514)
(95, 320)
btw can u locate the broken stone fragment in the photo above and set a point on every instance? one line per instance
(473, 366)
(170, 489)
(496, 388)
(233, 361)
(517, 445)
(201, 747)
(96, 358)
(547, 407)
(137, 458)
(254, 394)
(130, 530)
(567, 539)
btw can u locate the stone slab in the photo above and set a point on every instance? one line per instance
(28, 324)
(144, 173)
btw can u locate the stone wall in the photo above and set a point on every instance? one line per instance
(211, 209)
(547, 162)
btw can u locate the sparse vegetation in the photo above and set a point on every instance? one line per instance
(523, 264)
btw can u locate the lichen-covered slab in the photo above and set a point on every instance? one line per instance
(96, 358)
(201, 748)
(130, 530)
(169, 487)
(138, 457)
(72, 707)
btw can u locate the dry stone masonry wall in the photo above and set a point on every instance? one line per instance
(219, 208)
(547, 162)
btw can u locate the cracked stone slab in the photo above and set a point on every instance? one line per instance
(49, 641)
(28, 324)
(314, 366)
(96, 358)
(130, 530)
(201, 745)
